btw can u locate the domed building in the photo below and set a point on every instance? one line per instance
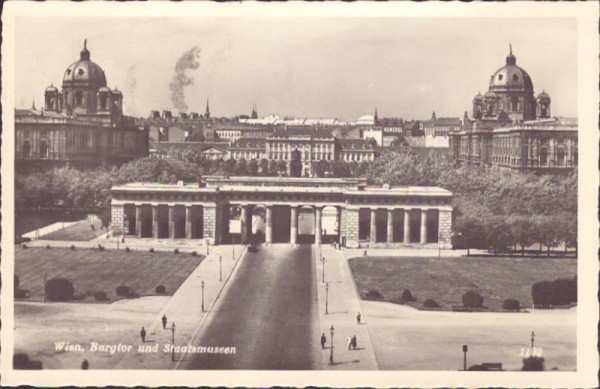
(81, 125)
(512, 127)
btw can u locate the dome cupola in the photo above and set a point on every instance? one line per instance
(84, 72)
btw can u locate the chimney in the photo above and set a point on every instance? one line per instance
(167, 115)
(155, 115)
(183, 115)
(194, 115)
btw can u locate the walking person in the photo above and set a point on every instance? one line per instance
(323, 340)
(143, 334)
(349, 342)
(353, 342)
(358, 318)
(164, 321)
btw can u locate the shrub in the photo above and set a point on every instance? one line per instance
(22, 294)
(48, 247)
(22, 362)
(558, 292)
(16, 282)
(374, 295)
(59, 289)
(472, 299)
(72, 247)
(533, 364)
(407, 296)
(431, 303)
(511, 305)
(151, 249)
(176, 251)
(100, 296)
(100, 247)
(23, 246)
(127, 249)
(160, 289)
(194, 253)
(125, 291)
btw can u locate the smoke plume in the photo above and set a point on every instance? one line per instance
(188, 61)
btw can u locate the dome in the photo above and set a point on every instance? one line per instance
(510, 77)
(52, 88)
(490, 95)
(479, 97)
(543, 96)
(84, 71)
(104, 89)
(117, 92)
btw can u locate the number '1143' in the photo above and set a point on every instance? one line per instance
(531, 352)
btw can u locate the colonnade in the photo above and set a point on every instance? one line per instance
(171, 220)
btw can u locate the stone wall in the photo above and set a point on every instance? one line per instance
(445, 229)
(117, 219)
(351, 227)
(209, 219)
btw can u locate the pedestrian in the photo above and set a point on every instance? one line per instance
(349, 342)
(365, 253)
(85, 364)
(323, 340)
(353, 342)
(358, 318)
(143, 334)
(164, 321)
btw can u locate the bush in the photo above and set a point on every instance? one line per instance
(407, 296)
(176, 251)
(431, 303)
(194, 253)
(374, 295)
(16, 282)
(151, 250)
(48, 247)
(160, 289)
(511, 305)
(100, 247)
(472, 299)
(72, 247)
(125, 291)
(127, 249)
(22, 294)
(100, 296)
(558, 292)
(22, 362)
(533, 364)
(23, 246)
(59, 289)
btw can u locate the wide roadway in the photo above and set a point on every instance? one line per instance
(269, 314)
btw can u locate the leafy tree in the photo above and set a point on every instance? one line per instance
(228, 168)
(272, 167)
(282, 167)
(241, 168)
(319, 168)
(264, 166)
(253, 167)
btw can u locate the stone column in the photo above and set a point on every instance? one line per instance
(390, 226)
(373, 225)
(423, 226)
(188, 222)
(294, 225)
(406, 226)
(171, 222)
(155, 221)
(138, 221)
(445, 227)
(317, 225)
(269, 225)
(244, 224)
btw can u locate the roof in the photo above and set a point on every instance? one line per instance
(444, 122)
(301, 132)
(197, 146)
(40, 114)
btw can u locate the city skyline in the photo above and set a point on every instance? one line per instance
(343, 68)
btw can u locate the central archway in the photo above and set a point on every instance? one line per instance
(306, 225)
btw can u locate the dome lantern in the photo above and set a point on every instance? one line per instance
(85, 53)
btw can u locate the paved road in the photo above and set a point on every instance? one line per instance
(268, 313)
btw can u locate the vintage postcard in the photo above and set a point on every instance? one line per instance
(336, 194)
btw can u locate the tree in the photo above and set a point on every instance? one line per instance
(229, 166)
(319, 168)
(469, 233)
(522, 228)
(282, 167)
(296, 164)
(253, 167)
(241, 168)
(533, 364)
(264, 167)
(272, 167)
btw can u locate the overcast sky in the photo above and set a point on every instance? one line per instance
(304, 67)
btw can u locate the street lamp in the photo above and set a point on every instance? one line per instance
(326, 298)
(202, 296)
(331, 353)
(173, 342)
(465, 349)
(323, 260)
(45, 276)
(532, 340)
(220, 268)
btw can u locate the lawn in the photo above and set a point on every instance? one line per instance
(94, 270)
(81, 231)
(446, 279)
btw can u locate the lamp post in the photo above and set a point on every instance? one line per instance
(202, 296)
(207, 244)
(532, 340)
(465, 349)
(326, 298)
(323, 260)
(331, 353)
(173, 342)
(45, 276)
(220, 268)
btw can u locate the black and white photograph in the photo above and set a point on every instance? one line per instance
(343, 193)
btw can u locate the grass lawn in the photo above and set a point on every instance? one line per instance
(78, 232)
(446, 279)
(93, 270)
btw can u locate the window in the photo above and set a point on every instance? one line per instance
(543, 156)
(78, 99)
(43, 149)
(500, 77)
(80, 72)
(515, 77)
(103, 102)
(26, 149)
